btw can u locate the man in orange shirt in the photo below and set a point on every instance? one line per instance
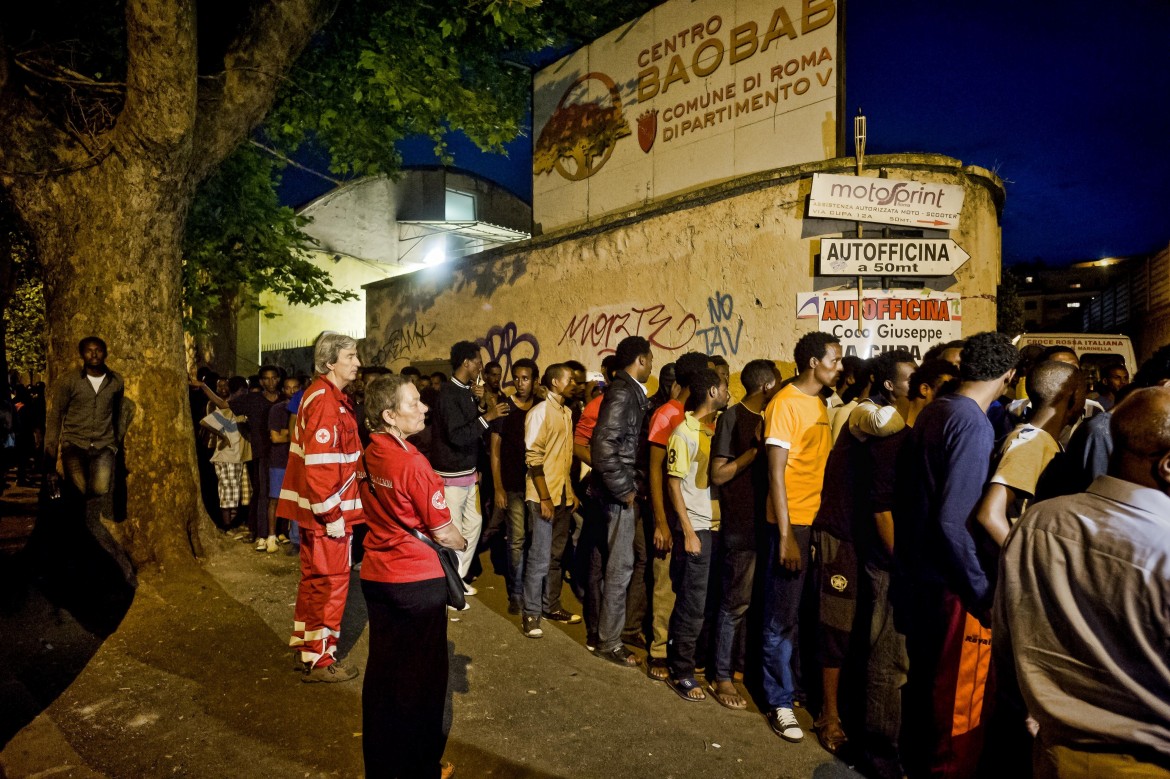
(798, 440)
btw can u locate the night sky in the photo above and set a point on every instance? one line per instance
(1069, 103)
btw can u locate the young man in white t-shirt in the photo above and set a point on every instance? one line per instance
(688, 455)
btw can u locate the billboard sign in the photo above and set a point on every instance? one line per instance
(922, 204)
(891, 256)
(907, 319)
(691, 93)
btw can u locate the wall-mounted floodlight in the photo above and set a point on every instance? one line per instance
(438, 252)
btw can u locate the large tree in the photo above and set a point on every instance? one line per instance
(112, 113)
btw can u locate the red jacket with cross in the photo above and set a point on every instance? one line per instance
(321, 480)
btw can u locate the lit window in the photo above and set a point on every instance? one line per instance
(460, 206)
(1075, 285)
(1027, 279)
(1073, 305)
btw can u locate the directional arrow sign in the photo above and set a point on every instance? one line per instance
(886, 201)
(890, 256)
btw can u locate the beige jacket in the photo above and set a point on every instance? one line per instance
(548, 444)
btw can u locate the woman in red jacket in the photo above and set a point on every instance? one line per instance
(406, 594)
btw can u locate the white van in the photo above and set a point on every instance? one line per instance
(1095, 350)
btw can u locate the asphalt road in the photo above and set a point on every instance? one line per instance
(546, 707)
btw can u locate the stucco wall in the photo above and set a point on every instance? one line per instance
(716, 271)
(297, 325)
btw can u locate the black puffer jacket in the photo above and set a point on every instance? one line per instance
(618, 445)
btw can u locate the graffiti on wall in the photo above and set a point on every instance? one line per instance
(401, 341)
(667, 330)
(723, 334)
(505, 344)
(603, 331)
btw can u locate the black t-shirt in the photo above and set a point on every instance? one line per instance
(510, 429)
(255, 407)
(883, 454)
(278, 417)
(847, 482)
(742, 501)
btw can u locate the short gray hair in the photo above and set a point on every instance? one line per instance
(328, 348)
(383, 394)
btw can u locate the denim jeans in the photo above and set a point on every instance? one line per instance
(691, 576)
(617, 565)
(463, 503)
(90, 471)
(637, 597)
(542, 567)
(589, 555)
(516, 530)
(737, 569)
(781, 635)
(886, 675)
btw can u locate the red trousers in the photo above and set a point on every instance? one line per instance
(321, 595)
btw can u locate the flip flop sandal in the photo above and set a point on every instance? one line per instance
(719, 699)
(684, 687)
(656, 669)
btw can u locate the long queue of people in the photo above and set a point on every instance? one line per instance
(908, 581)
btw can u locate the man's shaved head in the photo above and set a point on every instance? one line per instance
(1141, 438)
(1050, 381)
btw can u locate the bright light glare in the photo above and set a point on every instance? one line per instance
(438, 252)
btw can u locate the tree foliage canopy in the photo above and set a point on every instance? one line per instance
(380, 71)
(239, 238)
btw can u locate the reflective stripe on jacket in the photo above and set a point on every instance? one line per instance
(320, 483)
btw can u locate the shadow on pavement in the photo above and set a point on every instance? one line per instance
(61, 595)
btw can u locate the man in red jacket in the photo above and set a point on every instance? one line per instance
(320, 494)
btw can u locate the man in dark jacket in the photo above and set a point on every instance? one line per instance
(454, 451)
(619, 469)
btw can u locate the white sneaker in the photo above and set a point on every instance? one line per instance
(468, 589)
(271, 545)
(261, 545)
(466, 606)
(784, 725)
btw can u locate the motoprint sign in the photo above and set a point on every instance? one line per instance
(889, 319)
(691, 93)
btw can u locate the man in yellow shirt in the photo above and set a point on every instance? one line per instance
(798, 440)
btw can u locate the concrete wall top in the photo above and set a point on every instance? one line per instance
(716, 271)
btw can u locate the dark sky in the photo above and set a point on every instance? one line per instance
(1068, 102)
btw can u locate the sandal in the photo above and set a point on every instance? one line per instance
(735, 701)
(684, 688)
(830, 734)
(656, 669)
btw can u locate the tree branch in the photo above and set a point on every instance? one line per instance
(294, 163)
(254, 66)
(32, 145)
(161, 44)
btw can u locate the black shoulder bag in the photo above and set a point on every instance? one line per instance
(448, 558)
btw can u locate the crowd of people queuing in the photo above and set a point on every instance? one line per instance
(961, 565)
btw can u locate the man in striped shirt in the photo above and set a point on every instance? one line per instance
(320, 494)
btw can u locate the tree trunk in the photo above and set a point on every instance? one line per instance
(106, 211)
(109, 240)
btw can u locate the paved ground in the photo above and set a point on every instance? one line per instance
(196, 682)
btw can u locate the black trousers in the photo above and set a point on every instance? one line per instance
(405, 685)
